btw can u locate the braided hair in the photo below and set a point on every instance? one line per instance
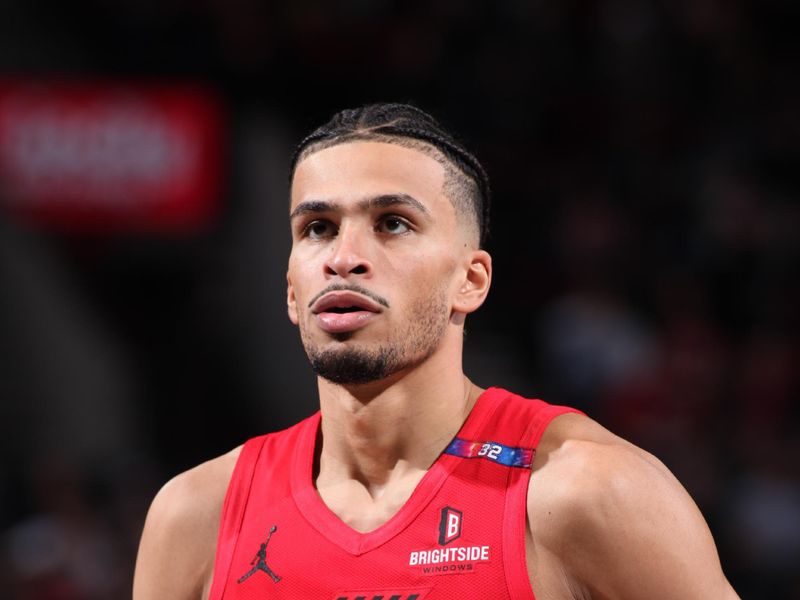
(465, 178)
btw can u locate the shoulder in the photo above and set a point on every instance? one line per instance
(619, 522)
(195, 496)
(579, 458)
(176, 553)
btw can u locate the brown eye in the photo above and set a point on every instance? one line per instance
(393, 225)
(319, 229)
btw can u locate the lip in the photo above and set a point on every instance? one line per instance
(336, 322)
(345, 299)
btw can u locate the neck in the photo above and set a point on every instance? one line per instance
(378, 432)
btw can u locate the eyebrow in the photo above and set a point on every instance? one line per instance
(312, 206)
(387, 200)
(382, 201)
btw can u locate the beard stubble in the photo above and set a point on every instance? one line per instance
(405, 347)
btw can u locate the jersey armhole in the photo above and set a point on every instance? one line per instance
(518, 578)
(232, 515)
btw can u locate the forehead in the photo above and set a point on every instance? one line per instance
(353, 170)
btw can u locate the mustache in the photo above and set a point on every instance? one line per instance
(350, 287)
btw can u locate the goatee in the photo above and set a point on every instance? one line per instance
(352, 367)
(406, 347)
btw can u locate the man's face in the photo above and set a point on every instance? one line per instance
(378, 254)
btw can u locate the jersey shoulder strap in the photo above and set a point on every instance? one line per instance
(524, 421)
(238, 495)
(518, 420)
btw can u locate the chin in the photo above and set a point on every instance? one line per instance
(353, 366)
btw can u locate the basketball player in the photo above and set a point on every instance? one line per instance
(412, 482)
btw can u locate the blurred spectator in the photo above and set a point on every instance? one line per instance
(67, 550)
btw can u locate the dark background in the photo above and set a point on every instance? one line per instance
(644, 160)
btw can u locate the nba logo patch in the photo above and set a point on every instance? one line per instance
(450, 525)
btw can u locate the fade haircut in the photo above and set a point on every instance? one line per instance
(466, 183)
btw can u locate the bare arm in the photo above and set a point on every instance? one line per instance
(178, 545)
(620, 524)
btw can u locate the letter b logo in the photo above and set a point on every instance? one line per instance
(449, 525)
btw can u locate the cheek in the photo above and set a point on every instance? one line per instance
(298, 287)
(300, 269)
(438, 267)
(430, 275)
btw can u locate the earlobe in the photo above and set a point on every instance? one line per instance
(291, 302)
(475, 286)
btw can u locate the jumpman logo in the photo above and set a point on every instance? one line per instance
(259, 561)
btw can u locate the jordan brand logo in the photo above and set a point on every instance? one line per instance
(259, 561)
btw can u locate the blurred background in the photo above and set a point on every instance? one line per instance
(644, 159)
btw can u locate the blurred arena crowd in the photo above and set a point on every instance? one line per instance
(645, 162)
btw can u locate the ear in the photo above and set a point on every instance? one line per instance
(291, 301)
(475, 285)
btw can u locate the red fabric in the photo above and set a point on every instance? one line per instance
(311, 553)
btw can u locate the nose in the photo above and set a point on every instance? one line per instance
(348, 256)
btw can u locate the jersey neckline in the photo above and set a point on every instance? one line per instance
(328, 523)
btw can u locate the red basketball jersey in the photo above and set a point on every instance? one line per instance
(460, 535)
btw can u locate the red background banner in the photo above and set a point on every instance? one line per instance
(110, 156)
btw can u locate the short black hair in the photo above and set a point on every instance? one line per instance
(394, 122)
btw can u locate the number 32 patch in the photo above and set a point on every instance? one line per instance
(499, 453)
